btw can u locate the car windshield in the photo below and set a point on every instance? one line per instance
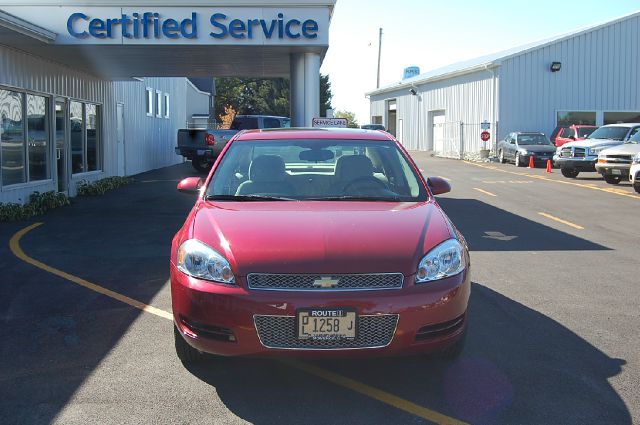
(585, 131)
(613, 133)
(315, 170)
(533, 139)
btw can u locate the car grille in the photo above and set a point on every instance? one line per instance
(573, 152)
(619, 159)
(305, 282)
(280, 332)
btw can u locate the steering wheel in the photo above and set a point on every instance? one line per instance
(365, 181)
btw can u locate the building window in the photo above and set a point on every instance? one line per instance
(38, 137)
(158, 104)
(149, 102)
(166, 105)
(376, 119)
(12, 137)
(576, 118)
(86, 142)
(621, 117)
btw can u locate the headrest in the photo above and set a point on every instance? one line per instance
(351, 167)
(267, 168)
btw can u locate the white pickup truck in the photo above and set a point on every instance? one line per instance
(615, 163)
(202, 144)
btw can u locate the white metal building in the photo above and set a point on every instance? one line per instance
(73, 105)
(517, 90)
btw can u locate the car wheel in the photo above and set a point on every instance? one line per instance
(201, 165)
(501, 157)
(454, 350)
(570, 173)
(186, 353)
(636, 187)
(612, 179)
(518, 162)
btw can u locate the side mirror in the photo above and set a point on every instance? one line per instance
(438, 185)
(190, 185)
(572, 137)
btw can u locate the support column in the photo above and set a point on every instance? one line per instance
(311, 87)
(297, 89)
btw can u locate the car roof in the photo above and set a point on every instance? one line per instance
(529, 132)
(314, 133)
(624, 124)
(261, 116)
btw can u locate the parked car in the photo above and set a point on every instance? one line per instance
(634, 173)
(202, 145)
(318, 253)
(373, 127)
(520, 146)
(570, 133)
(615, 163)
(576, 157)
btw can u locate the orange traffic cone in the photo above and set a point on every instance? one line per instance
(549, 166)
(531, 164)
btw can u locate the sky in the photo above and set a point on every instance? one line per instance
(431, 34)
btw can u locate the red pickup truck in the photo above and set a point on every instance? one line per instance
(570, 133)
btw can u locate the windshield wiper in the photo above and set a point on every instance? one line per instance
(355, 198)
(246, 198)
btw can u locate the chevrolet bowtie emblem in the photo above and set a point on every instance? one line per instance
(326, 282)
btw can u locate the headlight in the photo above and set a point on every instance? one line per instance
(200, 261)
(636, 159)
(596, 151)
(445, 260)
(523, 151)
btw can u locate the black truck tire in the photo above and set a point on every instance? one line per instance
(570, 173)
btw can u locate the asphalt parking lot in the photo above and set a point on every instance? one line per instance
(87, 335)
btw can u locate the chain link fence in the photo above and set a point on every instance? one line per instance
(461, 140)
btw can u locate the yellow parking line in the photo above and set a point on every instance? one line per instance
(615, 191)
(559, 220)
(484, 191)
(377, 394)
(14, 245)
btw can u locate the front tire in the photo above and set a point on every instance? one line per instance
(201, 165)
(186, 353)
(501, 157)
(518, 161)
(570, 173)
(636, 187)
(612, 179)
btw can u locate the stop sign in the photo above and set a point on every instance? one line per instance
(485, 136)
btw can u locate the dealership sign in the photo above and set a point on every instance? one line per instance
(180, 25)
(330, 122)
(154, 25)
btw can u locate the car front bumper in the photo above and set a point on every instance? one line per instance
(221, 319)
(609, 169)
(587, 163)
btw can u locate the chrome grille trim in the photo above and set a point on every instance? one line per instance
(304, 282)
(279, 332)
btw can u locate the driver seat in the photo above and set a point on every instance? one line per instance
(350, 168)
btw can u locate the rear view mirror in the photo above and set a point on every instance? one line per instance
(190, 185)
(438, 185)
(316, 155)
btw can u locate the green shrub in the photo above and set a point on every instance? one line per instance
(101, 186)
(38, 204)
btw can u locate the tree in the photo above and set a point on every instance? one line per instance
(254, 96)
(350, 116)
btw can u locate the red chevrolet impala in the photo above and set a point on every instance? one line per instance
(317, 242)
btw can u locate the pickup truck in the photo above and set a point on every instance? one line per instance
(576, 157)
(615, 163)
(202, 145)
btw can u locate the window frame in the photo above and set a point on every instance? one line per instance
(158, 102)
(149, 102)
(167, 105)
(25, 135)
(99, 139)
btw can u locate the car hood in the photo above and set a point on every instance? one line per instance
(322, 237)
(592, 143)
(538, 148)
(626, 149)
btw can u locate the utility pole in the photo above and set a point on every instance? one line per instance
(379, 54)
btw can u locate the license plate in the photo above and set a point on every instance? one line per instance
(616, 172)
(327, 323)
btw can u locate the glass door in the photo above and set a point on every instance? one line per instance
(61, 144)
